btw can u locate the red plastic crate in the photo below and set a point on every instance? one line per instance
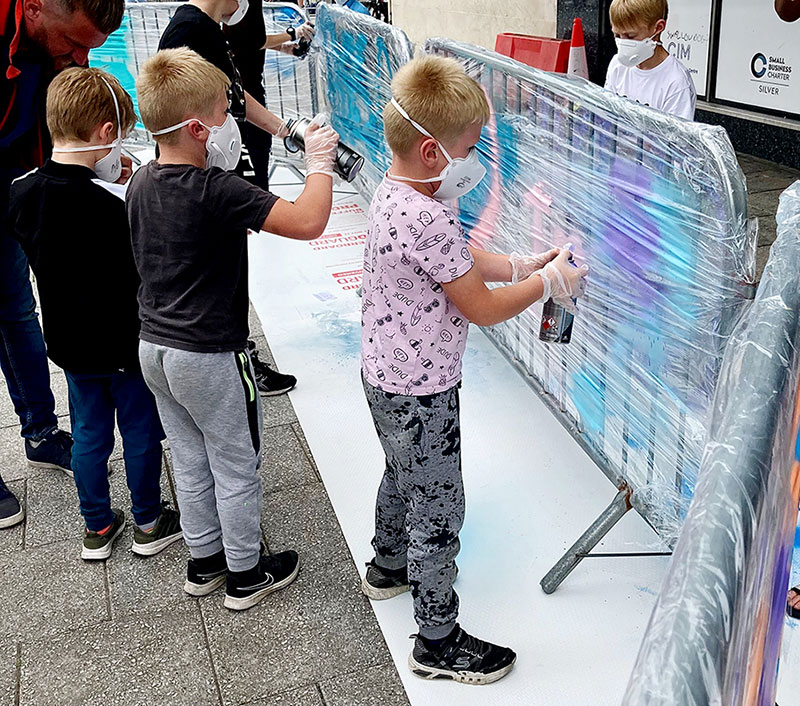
(539, 52)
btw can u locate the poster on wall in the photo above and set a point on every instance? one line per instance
(759, 54)
(687, 37)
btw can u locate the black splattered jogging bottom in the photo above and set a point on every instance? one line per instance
(420, 506)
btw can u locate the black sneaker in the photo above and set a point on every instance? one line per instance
(380, 584)
(10, 511)
(272, 573)
(203, 576)
(269, 382)
(98, 546)
(462, 658)
(53, 451)
(166, 531)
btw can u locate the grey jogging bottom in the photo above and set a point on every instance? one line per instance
(211, 413)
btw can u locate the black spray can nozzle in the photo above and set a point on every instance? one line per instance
(348, 162)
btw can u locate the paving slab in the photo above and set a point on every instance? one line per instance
(58, 384)
(50, 590)
(767, 230)
(303, 519)
(152, 658)
(13, 464)
(285, 463)
(298, 430)
(316, 629)
(11, 538)
(764, 203)
(305, 696)
(8, 672)
(377, 685)
(277, 411)
(770, 180)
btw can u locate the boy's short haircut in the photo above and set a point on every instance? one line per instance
(628, 14)
(437, 94)
(106, 15)
(176, 84)
(78, 100)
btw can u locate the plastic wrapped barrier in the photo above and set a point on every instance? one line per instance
(715, 631)
(655, 204)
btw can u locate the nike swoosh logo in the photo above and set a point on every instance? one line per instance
(263, 584)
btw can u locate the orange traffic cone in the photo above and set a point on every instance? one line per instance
(577, 52)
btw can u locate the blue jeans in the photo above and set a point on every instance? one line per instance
(93, 400)
(23, 357)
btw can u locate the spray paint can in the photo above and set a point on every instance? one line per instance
(348, 162)
(557, 322)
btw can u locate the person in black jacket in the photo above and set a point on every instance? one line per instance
(72, 225)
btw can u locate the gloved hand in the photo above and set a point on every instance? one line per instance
(563, 281)
(522, 266)
(305, 31)
(321, 143)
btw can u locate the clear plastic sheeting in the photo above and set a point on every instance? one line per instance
(358, 57)
(715, 632)
(656, 205)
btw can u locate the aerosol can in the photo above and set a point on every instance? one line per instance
(556, 321)
(348, 162)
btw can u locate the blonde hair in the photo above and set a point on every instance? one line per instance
(175, 84)
(627, 14)
(78, 101)
(437, 94)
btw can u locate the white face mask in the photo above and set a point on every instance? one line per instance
(238, 15)
(459, 177)
(223, 145)
(632, 52)
(108, 168)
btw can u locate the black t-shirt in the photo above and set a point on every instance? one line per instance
(189, 233)
(191, 27)
(75, 234)
(246, 39)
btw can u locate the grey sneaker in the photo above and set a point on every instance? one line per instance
(98, 546)
(166, 531)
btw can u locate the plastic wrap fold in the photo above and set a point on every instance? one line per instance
(657, 207)
(715, 632)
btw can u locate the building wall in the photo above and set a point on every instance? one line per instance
(474, 21)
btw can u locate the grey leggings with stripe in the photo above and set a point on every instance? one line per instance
(211, 413)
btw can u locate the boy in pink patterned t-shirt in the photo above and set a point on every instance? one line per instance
(423, 284)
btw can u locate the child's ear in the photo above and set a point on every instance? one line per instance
(429, 152)
(108, 132)
(661, 25)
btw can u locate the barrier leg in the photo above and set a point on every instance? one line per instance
(588, 540)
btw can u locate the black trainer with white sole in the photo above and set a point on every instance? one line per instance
(11, 513)
(272, 573)
(166, 531)
(380, 584)
(462, 658)
(206, 575)
(98, 547)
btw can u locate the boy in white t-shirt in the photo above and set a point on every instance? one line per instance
(643, 70)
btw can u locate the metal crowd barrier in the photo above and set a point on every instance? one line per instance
(290, 83)
(715, 633)
(655, 204)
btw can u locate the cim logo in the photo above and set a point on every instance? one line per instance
(758, 65)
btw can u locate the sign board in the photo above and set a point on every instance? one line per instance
(687, 37)
(759, 54)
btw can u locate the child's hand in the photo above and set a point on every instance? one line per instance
(563, 281)
(523, 266)
(321, 144)
(305, 31)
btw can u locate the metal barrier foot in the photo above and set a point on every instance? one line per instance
(588, 540)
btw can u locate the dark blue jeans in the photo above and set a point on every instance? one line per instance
(23, 358)
(93, 400)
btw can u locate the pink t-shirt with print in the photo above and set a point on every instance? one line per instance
(412, 336)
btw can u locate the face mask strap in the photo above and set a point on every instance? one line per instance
(173, 128)
(419, 127)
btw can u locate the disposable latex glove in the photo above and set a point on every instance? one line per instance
(321, 143)
(522, 266)
(563, 281)
(305, 31)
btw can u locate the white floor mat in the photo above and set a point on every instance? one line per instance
(530, 489)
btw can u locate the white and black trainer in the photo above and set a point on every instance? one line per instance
(272, 573)
(206, 575)
(460, 657)
(380, 584)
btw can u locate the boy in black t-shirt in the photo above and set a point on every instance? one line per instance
(197, 27)
(189, 218)
(72, 226)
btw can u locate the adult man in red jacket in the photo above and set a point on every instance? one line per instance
(39, 38)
